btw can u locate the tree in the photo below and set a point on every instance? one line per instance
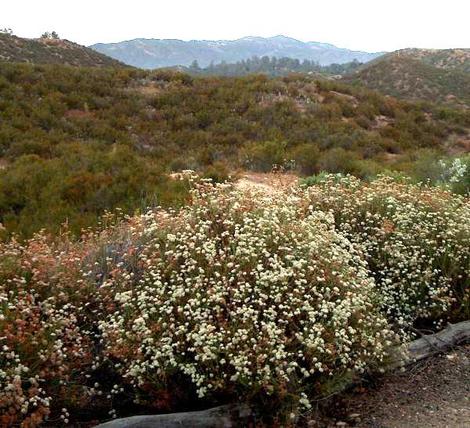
(50, 35)
(7, 31)
(194, 65)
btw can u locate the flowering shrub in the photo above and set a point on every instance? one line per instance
(40, 336)
(248, 295)
(455, 174)
(270, 298)
(416, 241)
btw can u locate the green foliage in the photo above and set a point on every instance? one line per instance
(320, 178)
(272, 66)
(217, 172)
(306, 158)
(264, 155)
(77, 187)
(337, 160)
(61, 125)
(52, 35)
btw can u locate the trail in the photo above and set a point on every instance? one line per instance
(434, 393)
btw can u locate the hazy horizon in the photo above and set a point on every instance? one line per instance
(363, 25)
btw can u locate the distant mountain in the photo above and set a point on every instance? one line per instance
(155, 53)
(52, 51)
(437, 75)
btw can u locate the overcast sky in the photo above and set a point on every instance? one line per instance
(372, 25)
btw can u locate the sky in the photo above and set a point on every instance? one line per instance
(370, 25)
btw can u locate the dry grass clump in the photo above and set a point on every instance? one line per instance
(272, 299)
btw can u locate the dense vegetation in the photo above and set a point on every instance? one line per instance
(274, 299)
(415, 74)
(77, 141)
(271, 66)
(49, 49)
(188, 294)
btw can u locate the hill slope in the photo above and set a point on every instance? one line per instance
(420, 74)
(446, 59)
(77, 141)
(155, 53)
(52, 51)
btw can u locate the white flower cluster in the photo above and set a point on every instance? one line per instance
(266, 297)
(245, 291)
(416, 241)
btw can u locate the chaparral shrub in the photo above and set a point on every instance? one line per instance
(415, 240)
(248, 296)
(274, 298)
(41, 339)
(239, 296)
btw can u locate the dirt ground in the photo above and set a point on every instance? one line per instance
(270, 183)
(434, 393)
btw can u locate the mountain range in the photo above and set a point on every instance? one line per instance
(156, 53)
(436, 75)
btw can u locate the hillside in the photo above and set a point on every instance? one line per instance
(156, 53)
(51, 51)
(75, 142)
(441, 76)
(447, 59)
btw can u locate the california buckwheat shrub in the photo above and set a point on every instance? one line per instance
(41, 343)
(415, 239)
(246, 295)
(274, 298)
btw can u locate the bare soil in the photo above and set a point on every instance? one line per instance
(434, 393)
(269, 183)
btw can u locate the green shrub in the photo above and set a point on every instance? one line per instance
(263, 156)
(338, 161)
(218, 172)
(306, 158)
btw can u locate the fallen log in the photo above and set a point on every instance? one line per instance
(431, 344)
(228, 416)
(242, 415)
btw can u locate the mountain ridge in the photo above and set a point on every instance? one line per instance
(158, 53)
(437, 75)
(52, 51)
